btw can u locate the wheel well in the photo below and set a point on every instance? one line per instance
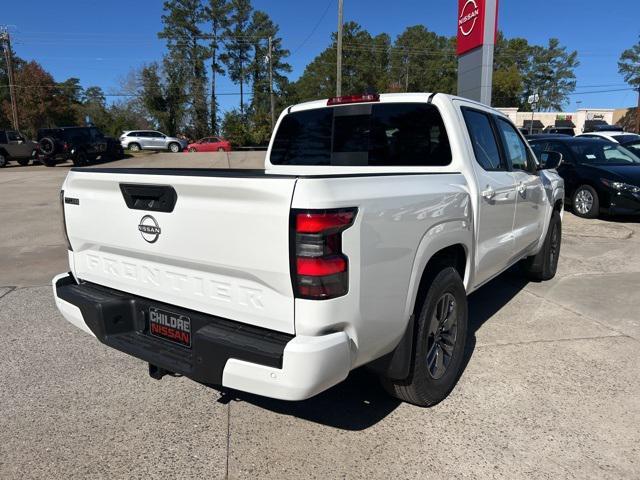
(4, 152)
(453, 256)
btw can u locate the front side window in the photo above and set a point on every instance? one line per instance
(381, 134)
(3, 137)
(483, 140)
(514, 146)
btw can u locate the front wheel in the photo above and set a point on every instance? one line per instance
(134, 147)
(221, 149)
(440, 343)
(193, 150)
(586, 203)
(23, 161)
(544, 264)
(174, 148)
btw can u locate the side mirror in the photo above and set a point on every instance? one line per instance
(550, 160)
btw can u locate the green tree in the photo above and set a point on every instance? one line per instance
(163, 95)
(216, 12)
(629, 68)
(511, 63)
(182, 21)
(365, 66)
(238, 44)
(94, 106)
(423, 61)
(261, 29)
(551, 74)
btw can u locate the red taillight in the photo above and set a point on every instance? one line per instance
(345, 99)
(310, 222)
(65, 146)
(321, 269)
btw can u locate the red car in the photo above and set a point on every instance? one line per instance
(209, 144)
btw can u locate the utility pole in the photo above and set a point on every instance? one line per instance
(406, 78)
(273, 104)
(6, 39)
(339, 52)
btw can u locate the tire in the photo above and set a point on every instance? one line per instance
(80, 159)
(47, 145)
(221, 149)
(49, 162)
(428, 384)
(193, 150)
(543, 266)
(585, 202)
(23, 161)
(174, 147)
(3, 160)
(134, 147)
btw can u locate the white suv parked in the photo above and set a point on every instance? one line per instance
(137, 140)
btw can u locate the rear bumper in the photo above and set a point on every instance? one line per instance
(223, 352)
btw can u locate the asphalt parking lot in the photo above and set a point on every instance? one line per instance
(550, 390)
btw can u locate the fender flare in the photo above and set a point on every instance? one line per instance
(438, 237)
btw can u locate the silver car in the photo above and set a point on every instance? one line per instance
(136, 140)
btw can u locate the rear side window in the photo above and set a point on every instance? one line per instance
(382, 134)
(483, 139)
(513, 145)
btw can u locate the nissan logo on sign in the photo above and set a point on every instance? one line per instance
(468, 17)
(471, 18)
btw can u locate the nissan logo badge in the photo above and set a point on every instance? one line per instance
(149, 228)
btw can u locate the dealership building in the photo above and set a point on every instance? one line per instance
(581, 120)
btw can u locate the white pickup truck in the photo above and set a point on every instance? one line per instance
(374, 218)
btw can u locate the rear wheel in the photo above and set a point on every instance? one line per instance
(3, 160)
(586, 203)
(440, 342)
(23, 161)
(80, 159)
(221, 149)
(544, 265)
(134, 147)
(192, 149)
(174, 147)
(49, 162)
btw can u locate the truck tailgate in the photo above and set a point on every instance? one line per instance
(222, 250)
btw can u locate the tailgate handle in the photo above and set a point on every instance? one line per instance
(152, 198)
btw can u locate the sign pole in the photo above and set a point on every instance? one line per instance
(477, 29)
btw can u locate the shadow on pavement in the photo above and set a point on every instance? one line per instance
(360, 401)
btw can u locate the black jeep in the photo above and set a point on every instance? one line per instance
(81, 145)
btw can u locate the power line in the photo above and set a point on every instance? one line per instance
(313, 30)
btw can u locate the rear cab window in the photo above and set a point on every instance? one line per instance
(378, 134)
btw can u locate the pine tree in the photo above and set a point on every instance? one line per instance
(182, 30)
(238, 44)
(217, 12)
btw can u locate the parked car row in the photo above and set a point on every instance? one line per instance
(601, 171)
(83, 145)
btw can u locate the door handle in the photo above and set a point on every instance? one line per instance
(488, 193)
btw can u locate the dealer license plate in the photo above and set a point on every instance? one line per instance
(170, 326)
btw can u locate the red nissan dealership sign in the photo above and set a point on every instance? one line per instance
(471, 14)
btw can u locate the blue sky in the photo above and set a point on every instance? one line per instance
(100, 41)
